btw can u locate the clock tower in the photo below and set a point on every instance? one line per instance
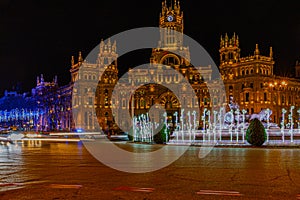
(171, 37)
(171, 19)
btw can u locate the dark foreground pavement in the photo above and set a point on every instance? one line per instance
(68, 171)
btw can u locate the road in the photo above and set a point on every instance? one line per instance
(48, 170)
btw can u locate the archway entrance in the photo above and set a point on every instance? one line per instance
(171, 104)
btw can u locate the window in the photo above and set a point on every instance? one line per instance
(176, 77)
(230, 87)
(247, 97)
(90, 100)
(106, 92)
(105, 61)
(215, 101)
(265, 97)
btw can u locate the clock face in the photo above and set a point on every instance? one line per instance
(170, 18)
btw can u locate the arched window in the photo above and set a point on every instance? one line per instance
(247, 97)
(106, 92)
(171, 60)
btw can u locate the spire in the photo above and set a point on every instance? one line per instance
(234, 39)
(226, 37)
(101, 46)
(256, 52)
(55, 79)
(271, 53)
(114, 47)
(109, 45)
(72, 61)
(237, 41)
(221, 42)
(226, 40)
(80, 59)
(42, 78)
(37, 80)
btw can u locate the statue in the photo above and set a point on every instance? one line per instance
(262, 115)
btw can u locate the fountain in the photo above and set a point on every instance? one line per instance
(176, 124)
(298, 123)
(243, 129)
(282, 124)
(291, 123)
(195, 124)
(217, 125)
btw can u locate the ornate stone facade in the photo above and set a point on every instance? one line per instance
(252, 83)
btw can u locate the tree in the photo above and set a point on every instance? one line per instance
(163, 136)
(256, 133)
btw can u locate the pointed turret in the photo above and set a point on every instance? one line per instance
(114, 47)
(271, 53)
(37, 80)
(226, 40)
(256, 52)
(237, 41)
(72, 61)
(80, 59)
(109, 45)
(229, 49)
(221, 42)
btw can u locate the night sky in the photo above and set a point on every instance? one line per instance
(40, 36)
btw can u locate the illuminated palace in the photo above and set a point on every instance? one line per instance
(249, 81)
(252, 83)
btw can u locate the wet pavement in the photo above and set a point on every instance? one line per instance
(48, 170)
